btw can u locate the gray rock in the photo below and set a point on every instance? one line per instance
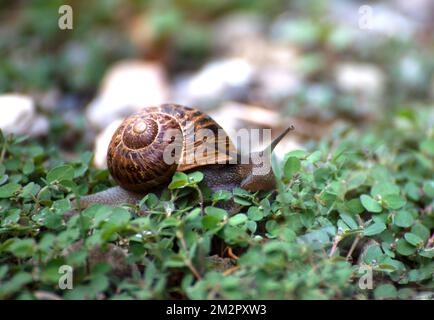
(18, 116)
(102, 142)
(234, 30)
(217, 81)
(127, 87)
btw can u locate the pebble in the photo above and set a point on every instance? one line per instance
(219, 80)
(102, 142)
(366, 79)
(18, 116)
(127, 87)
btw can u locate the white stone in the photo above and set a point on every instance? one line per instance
(234, 30)
(238, 114)
(361, 78)
(233, 116)
(18, 116)
(276, 83)
(411, 71)
(102, 142)
(127, 87)
(215, 82)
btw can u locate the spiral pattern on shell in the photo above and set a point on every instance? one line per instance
(135, 156)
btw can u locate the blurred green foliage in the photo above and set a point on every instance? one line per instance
(38, 55)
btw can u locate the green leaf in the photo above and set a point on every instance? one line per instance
(60, 173)
(373, 254)
(195, 177)
(221, 195)
(405, 293)
(374, 229)
(12, 217)
(385, 291)
(355, 206)
(292, 166)
(412, 191)
(341, 225)
(15, 284)
(29, 190)
(242, 201)
(427, 253)
(61, 206)
(238, 219)
(300, 154)
(384, 188)
(421, 231)
(394, 201)
(355, 180)
(403, 219)
(210, 222)
(413, 239)
(176, 261)
(9, 189)
(427, 146)
(242, 193)
(314, 157)
(3, 178)
(386, 248)
(28, 167)
(150, 200)
(404, 248)
(69, 184)
(349, 220)
(428, 188)
(255, 214)
(53, 221)
(120, 216)
(22, 248)
(370, 204)
(265, 207)
(179, 180)
(217, 212)
(213, 218)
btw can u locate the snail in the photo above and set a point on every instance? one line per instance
(136, 155)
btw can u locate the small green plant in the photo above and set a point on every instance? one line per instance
(352, 201)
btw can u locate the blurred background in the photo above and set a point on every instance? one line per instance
(319, 65)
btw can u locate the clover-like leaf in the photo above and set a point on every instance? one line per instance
(375, 228)
(403, 219)
(404, 248)
(9, 189)
(292, 166)
(370, 204)
(413, 239)
(179, 180)
(60, 173)
(195, 177)
(237, 219)
(394, 201)
(385, 291)
(221, 195)
(428, 188)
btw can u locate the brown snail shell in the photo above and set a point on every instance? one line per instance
(135, 156)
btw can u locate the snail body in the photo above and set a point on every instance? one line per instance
(139, 149)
